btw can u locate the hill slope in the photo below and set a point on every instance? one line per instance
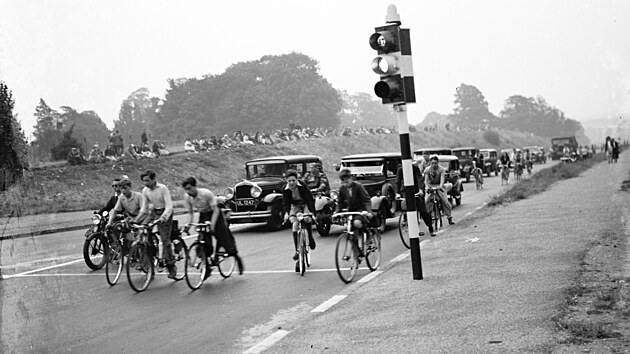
(72, 188)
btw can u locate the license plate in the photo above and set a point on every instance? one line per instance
(245, 202)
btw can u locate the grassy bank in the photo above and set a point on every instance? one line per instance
(540, 181)
(71, 188)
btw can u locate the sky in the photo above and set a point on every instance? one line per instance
(90, 55)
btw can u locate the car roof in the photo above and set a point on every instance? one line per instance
(432, 149)
(464, 148)
(372, 155)
(447, 157)
(495, 150)
(289, 158)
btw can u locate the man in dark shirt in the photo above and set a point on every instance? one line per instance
(418, 190)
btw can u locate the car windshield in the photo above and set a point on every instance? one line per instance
(266, 169)
(364, 167)
(445, 164)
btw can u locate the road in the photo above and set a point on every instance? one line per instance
(51, 302)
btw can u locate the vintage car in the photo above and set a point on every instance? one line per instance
(453, 184)
(258, 198)
(377, 173)
(466, 156)
(417, 154)
(558, 146)
(490, 159)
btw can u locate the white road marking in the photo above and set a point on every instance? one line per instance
(370, 276)
(400, 257)
(267, 342)
(329, 303)
(41, 269)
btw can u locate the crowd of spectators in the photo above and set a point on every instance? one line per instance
(293, 133)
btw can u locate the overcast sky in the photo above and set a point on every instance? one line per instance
(91, 55)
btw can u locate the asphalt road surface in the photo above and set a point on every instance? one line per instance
(51, 301)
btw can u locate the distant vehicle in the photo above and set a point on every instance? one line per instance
(466, 156)
(490, 159)
(558, 145)
(417, 154)
(534, 153)
(258, 198)
(377, 173)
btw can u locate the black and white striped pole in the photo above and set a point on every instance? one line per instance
(396, 87)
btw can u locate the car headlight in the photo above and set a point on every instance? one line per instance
(96, 219)
(334, 195)
(229, 193)
(255, 191)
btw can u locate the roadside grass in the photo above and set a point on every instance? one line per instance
(540, 181)
(62, 188)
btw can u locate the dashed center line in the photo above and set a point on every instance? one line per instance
(267, 342)
(329, 303)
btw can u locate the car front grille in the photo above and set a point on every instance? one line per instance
(243, 191)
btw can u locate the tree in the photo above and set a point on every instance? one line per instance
(13, 147)
(137, 113)
(263, 94)
(47, 131)
(471, 108)
(364, 110)
(60, 151)
(89, 128)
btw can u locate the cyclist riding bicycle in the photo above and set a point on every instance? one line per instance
(203, 201)
(157, 205)
(353, 197)
(297, 199)
(316, 179)
(418, 190)
(128, 205)
(434, 176)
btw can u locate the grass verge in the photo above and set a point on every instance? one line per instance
(540, 181)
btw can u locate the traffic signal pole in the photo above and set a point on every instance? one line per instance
(396, 87)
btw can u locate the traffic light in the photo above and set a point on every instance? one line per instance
(393, 64)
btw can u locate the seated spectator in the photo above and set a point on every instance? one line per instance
(75, 157)
(111, 153)
(188, 146)
(163, 151)
(156, 148)
(96, 155)
(145, 148)
(132, 152)
(246, 140)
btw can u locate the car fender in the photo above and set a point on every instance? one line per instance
(377, 201)
(321, 202)
(272, 197)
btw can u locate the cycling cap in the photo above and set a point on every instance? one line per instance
(345, 173)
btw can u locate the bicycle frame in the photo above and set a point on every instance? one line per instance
(348, 218)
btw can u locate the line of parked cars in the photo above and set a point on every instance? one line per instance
(258, 197)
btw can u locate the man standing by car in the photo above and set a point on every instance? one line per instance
(157, 204)
(418, 190)
(424, 163)
(434, 176)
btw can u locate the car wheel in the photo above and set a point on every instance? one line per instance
(274, 223)
(382, 219)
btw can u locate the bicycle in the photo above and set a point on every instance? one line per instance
(196, 271)
(436, 209)
(146, 253)
(95, 244)
(518, 171)
(505, 174)
(478, 174)
(403, 224)
(355, 244)
(303, 250)
(118, 250)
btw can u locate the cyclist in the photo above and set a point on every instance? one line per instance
(434, 177)
(354, 197)
(204, 201)
(157, 205)
(297, 199)
(418, 190)
(111, 202)
(316, 179)
(128, 205)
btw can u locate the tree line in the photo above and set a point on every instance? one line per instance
(13, 146)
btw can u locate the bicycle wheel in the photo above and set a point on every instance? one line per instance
(437, 216)
(346, 258)
(139, 267)
(403, 229)
(373, 250)
(95, 251)
(115, 263)
(180, 252)
(226, 262)
(302, 251)
(195, 265)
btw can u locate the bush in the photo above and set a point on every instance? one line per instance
(492, 137)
